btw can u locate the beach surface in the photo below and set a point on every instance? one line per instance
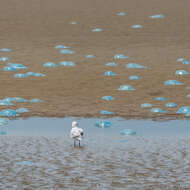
(33, 29)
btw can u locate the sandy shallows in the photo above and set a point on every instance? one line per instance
(33, 28)
(52, 163)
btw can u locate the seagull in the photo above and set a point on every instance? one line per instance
(76, 133)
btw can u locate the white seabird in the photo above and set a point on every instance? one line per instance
(76, 133)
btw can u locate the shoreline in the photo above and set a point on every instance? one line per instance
(88, 116)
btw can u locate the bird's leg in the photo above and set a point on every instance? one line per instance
(74, 143)
(79, 143)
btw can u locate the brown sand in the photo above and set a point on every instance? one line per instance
(33, 28)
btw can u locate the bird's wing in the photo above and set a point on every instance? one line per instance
(75, 133)
(81, 130)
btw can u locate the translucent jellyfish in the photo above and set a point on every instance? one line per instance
(126, 88)
(122, 14)
(108, 98)
(172, 82)
(3, 121)
(111, 64)
(186, 62)
(39, 75)
(61, 47)
(134, 77)
(49, 64)
(5, 50)
(103, 124)
(158, 110)
(127, 132)
(188, 96)
(67, 64)
(90, 56)
(161, 98)
(105, 112)
(25, 163)
(109, 73)
(121, 56)
(35, 101)
(170, 105)
(157, 16)
(20, 75)
(96, 30)
(67, 51)
(73, 22)
(6, 103)
(8, 113)
(184, 110)
(136, 26)
(4, 58)
(188, 88)
(30, 74)
(16, 65)
(135, 66)
(22, 110)
(15, 99)
(146, 105)
(180, 59)
(8, 99)
(6, 68)
(182, 72)
(183, 61)
(3, 133)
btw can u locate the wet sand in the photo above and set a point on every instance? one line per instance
(33, 28)
(54, 164)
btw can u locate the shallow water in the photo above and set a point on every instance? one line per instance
(156, 158)
(56, 127)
